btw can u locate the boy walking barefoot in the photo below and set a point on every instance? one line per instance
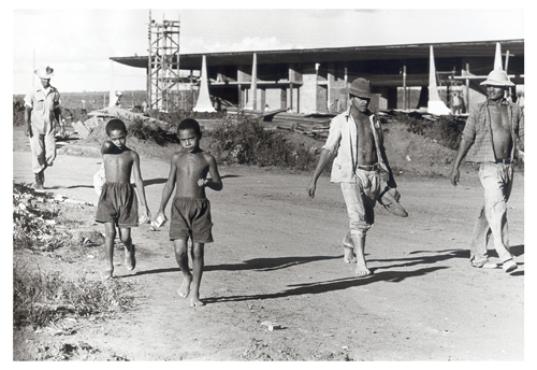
(118, 204)
(190, 210)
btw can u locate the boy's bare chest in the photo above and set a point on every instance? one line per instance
(118, 160)
(192, 165)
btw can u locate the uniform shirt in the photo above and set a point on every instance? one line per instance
(342, 142)
(478, 132)
(43, 103)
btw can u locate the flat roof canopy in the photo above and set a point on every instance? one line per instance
(475, 49)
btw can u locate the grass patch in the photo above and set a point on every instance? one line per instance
(40, 298)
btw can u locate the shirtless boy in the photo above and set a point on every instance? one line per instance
(191, 170)
(118, 203)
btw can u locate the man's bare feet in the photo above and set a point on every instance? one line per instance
(348, 255)
(184, 290)
(362, 271)
(348, 252)
(196, 302)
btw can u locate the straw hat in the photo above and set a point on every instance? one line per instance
(497, 78)
(45, 73)
(361, 88)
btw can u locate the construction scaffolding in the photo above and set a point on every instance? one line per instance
(163, 65)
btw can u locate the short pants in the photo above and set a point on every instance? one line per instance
(118, 204)
(191, 218)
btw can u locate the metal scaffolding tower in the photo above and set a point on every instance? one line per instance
(163, 65)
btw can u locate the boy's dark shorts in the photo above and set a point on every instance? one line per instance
(191, 218)
(118, 204)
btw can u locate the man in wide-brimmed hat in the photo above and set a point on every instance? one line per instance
(42, 116)
(491, 136)
(360, 166)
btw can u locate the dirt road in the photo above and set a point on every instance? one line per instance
(277, 257)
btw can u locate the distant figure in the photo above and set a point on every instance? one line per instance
(43, 117)
(457, 103)
(115, 99)
(360, 166)
(493, 131)
(118, 203)
(191, 171)
(144, 106)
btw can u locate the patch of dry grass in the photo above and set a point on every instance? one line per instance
(40, 298)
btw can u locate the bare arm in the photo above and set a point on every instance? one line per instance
(170, 184)
(324, 159)
(463, 150)
(214, 182)
(138, 180)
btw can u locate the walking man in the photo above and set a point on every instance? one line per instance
(493, 132)
(42, 115)
(360, 165)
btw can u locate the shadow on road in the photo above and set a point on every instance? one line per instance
(329, 286)
(441, 255)
(269, 264)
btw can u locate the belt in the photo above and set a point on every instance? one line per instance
(503, 161)
(370, 167)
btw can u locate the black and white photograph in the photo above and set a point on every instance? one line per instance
(267, 184)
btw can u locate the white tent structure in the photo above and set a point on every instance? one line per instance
(435, 105)
(203, 104)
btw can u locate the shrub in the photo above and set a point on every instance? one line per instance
(243, 140)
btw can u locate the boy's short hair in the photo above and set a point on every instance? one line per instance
(115, 124)
(189, 124)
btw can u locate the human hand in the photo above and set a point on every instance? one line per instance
(311, 189)
(454, 176)
(202, 182)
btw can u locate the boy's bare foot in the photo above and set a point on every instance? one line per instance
(184, 290)
(130, 258)
(196, 302)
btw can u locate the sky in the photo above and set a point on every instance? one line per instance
(79, 42)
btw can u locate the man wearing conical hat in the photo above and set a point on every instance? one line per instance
(492, 134)
(42, 116)
(361, 168)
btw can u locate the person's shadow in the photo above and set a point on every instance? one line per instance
(329, 285)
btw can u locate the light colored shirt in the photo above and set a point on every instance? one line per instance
(43, 103)
(478, 131)
(342, 142)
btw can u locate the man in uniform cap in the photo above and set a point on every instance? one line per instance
(491, 136)
(360, 165)
(42, 115)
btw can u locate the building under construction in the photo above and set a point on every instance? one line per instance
(315, 80)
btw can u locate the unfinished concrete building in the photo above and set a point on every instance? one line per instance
(315, 80)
